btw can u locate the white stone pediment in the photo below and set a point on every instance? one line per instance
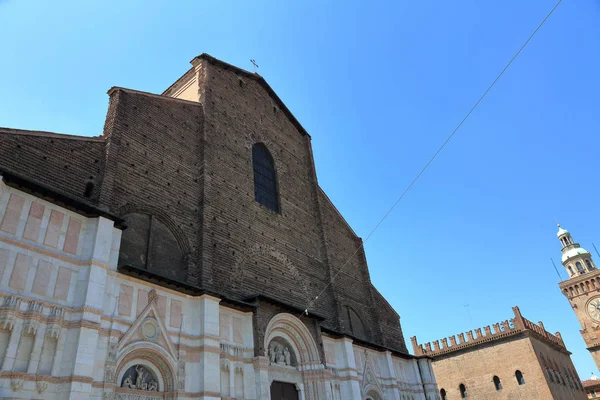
(369, 380)
(148, 327)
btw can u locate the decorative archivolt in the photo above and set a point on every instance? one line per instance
(268, 252)
(143, 365)
(284, 329)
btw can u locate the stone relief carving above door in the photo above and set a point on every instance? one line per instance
(138, 377)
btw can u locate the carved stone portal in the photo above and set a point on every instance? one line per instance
(139, 377)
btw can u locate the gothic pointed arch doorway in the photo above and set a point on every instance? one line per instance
(284, 391)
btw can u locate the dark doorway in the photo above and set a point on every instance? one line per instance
(283, 391)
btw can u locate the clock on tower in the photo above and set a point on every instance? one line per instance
(582, 289)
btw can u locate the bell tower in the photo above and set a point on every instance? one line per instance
(576, 259)
(582, 288)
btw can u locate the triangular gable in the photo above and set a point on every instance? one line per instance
(369, 380)
(136, 332)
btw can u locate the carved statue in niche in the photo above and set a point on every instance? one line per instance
(271, 353)
(144, 379)
(128, 383)
(286, 354)
(140, 381)
(279, 354)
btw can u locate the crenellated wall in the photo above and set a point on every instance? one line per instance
(510, 359)
(488, 333)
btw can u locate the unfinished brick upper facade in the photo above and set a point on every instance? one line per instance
(178, 171)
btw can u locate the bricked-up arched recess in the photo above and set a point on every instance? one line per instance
(148, 243)
(262, 265)
(265, 178)
(356, 324)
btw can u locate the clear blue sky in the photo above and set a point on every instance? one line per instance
(378, 85)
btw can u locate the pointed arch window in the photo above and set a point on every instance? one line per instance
(497, 383)
(265, 182)
(519, 376)
(443, 394)
(463, 391)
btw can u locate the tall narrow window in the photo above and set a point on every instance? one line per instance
(519, 376)
(571, 271)
(443, 394)
(463, 391)
(497, 383)
(265, 183)
(579, 267)
(589, 264)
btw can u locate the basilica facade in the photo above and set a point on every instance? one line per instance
(188, 252)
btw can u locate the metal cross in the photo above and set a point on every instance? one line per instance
(255, 64)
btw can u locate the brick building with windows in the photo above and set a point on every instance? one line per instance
(592, 387)
(173, 257)
(518, 360)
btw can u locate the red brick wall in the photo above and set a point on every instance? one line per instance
(64, 163)
(290, 255)
(154, 165)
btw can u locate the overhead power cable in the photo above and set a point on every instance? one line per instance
(312, 302)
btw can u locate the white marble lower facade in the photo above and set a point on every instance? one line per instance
(72, 327)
